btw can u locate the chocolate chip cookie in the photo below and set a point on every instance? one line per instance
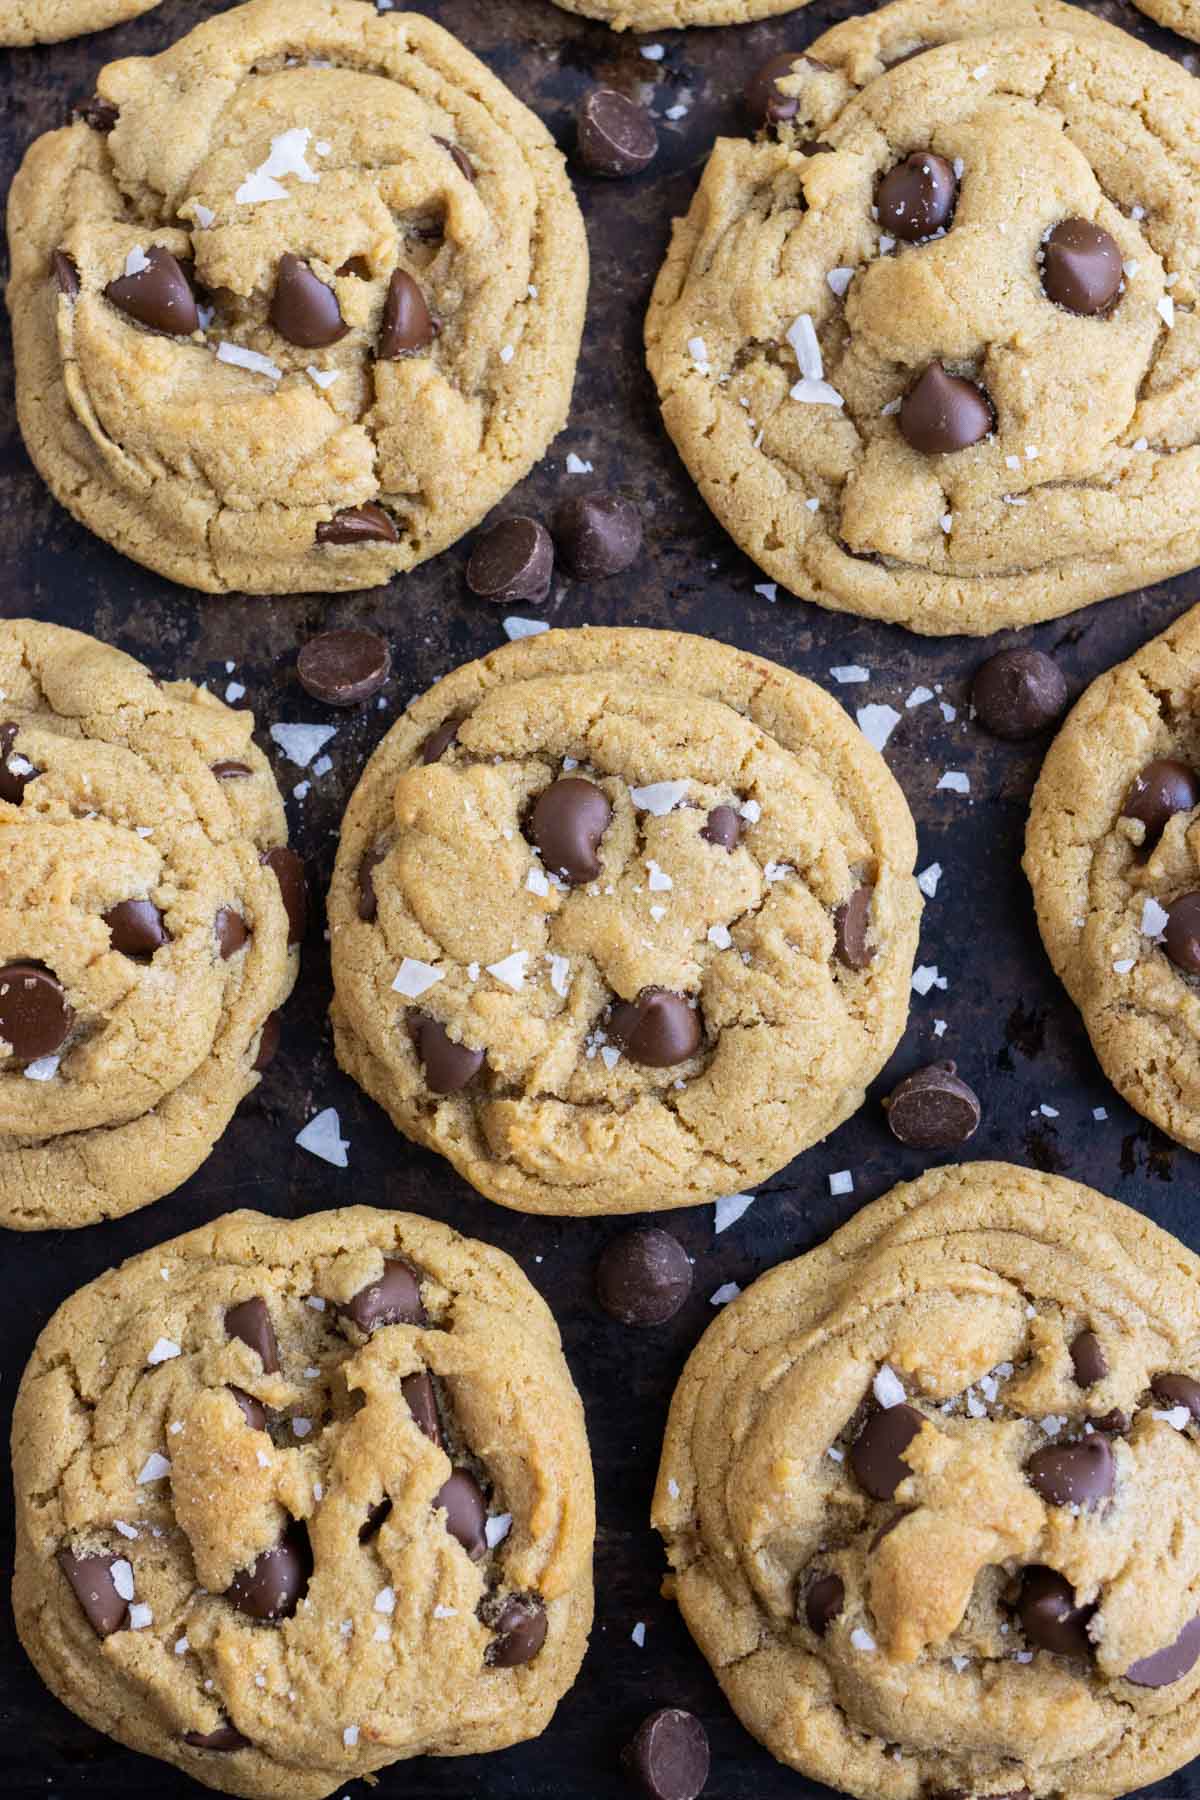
(150, 920)
(621, 920)
(295, 302)
(1181, 15)
(926, 343)
(48, 21)
(661, 15)
(929, 1495)
(297, 1499)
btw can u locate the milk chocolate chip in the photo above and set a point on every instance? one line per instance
(597, 535)
(1079, 1474)
(66, 275)
(615, 135)
(421, 1400)
(1171, 1664)
(1182, 934)
(668, 1758)
(13, 781)
(92, 1584)
(1164, 787)
(723, 827)
(932, 1109)
(304, 309)
(658, 1029)
(944, 413)
(395, 1299)
(159, 296)
(1178, 1390)
(448, 1066)
(568, 820)
(35, 1018)
(288, 870)
(1082, 267)
(136, 929)
(877, 1453)
(466, 1512)
(520, 1632)
(917, 197)
(439, 741)
(367, 524)
(1049, 1615)
(274, 1584)
(851, 925)
(225, 1737)
(643, 1277)
(1088, 1359)
(342, 668)
(231, 932)
(252, 1410)
(250, 1322)
(407, 325)
(820, 1601)
(1018, 693)
(368, 899)
(766, 102)
(512, 560)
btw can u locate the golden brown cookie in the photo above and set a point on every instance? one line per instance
(306, 310)
(1113, 855)
(930, 1493)
(299, 1499)
(661, 15)
(621, 920)
(150, 920)
(1181, 15)
(48, 21)
(928, 345)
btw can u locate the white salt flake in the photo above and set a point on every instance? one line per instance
(1048, 1112)
(777, 871)
(887, 1387)
(136, 261)
(653, 52)
(1100, 1114)
(928, 880)
(939, 1028)
(848, 673)
(323, 378)
(918, 697)
(839, 280)
(610, 1056)
(672, 1487)
(803, 339)
(140, 1617)
(926, 977)
(1052, 1424)
(126, 1531)
(496, 1529)
(155, 1468)
(576, 464)
(724, 1294)
(122, 1578)
(538, 882)
(862, 1640)
(350, 1736)
(947, 523)
(751, 811)
(835, 1455)
(658, 913)
(877, 723)
(162, 1352)
(288, 157)
(891, 409)
(816, 393)
(1178, 1417)
(234, 691)
(841, 1181)
(1154, 920)
(511, 970)
(1123, 965)
(322, 1137)
(718, 935)
(949, 713)
(42, 1068)
(638, 1634)
(248, 359)
(445, 1612)
(768, 589)
(960, 1663)
(1166, 308)
(316, 1302)
(300, 743)
(264, 1461)
(975, 1407)
(301, 1427)
(506, 353)
(414, 977)
(182, 1646)
(560, 975)
(385, 1600)
(675, 112)
(981, 73)
(660, 882)
(515, 628)
(381, 1634)
(729, 1210)
(698, 351)
(954, 782)
(660, 798)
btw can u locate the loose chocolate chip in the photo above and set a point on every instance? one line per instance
(368, 899)
(1049, 1615)
(1164, 787)
(231, 771)
(668, 1756)
(723, 827)
(597, 535)
(368, 524)
(253, 1411)
(225, 1737)
(520, 1632)
(918, 196)
(1178, 1390)
(343, 667)
(1182, 933)
(395, 1299)
(1168, 1665)
(462, 161)
(466, 1512)
(439, 741)
(448, 1066)
(288, 870)
(932, 1109)
(304, 309)
(66, 275)
(100, 115)
(159, 296)
(1018, 693)
(1114, 1420)
(274, 1584)
(568, 821)
(1088, 1359)
(615, 135)
(35, 1018)
(13, 782)
(422, 1404)
(765, 100)
(821, 1598)
(658, 1029)
(944, 413)
(1083, 267)
(374, 1520)
(407, 325)
(643, 1277)
(1077, 1474)
(92, 1584)
(877, 1453)
(232, 932)
(512, 560)
(268, 1043)
(250, 1322)
(136, 929)
(851, 923)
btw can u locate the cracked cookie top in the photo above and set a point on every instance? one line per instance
(928, 345)
(929, 1494)
(621, 920)
(49, 21)
(150, 917)
(661, 15)
(1113, 855)
(295, 302)
(1181, 15)
(297, 1499)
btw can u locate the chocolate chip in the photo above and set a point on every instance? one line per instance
(225, 1737)
(944, 413)
(1018, 693)
(1049, 1615)
(395, 1299)
(597, 535)
(304, 310)
(877, 1453)
(1077, 1474)
(932, 1109)
(98, 114)
(723, 827)
(1082, 267)
(466, 1512)
(1114, 1420)
(231, 771)
(512, 560)
(368, 899)
(92, 1584)
(343, 667)
(1178, 1390)
(851, 924)
(288, 870)
(1171, 1664)
(250, 1322)
(368, 524)
(274, 1584)
(421, 1401)
(917, 197)
(407, 325)
(448, 1066)
(568, 820)
(668, 1757)
(13, 782)
(462, 161)
(136, 929)
(658, 1029)
(643, 1277)
(159, 296)
(820, 1601)
(1088, 1359)
(66, 275)
(439, 741)
(253, 1411)
(765, 100)
(268, 1043)
(615, 135)
(1181, 935)
(1164, 787)
(35, 1018)
(520, 1632)
(231, 931)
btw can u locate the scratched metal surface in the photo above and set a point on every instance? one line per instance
(1016, 1037)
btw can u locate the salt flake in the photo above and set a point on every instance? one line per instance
(322, 1137)
(729, 1210)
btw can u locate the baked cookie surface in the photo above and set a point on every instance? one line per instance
(661, 15)
(896, 394)
(49, 21)
(1182, 16)
(929, 1494)
(306, 332)
(621, 920)
(147, 900)
(297, 1499)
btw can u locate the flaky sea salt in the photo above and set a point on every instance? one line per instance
(877, 723)
(926, 977)
(140, 1617)
(385, 1600)
(729, 1210)
(718, 936)
(300, 743)
(288, 157)
(43, 1068)
(848, 673)
(511, 970)
(137, 261)
(1154, 919)
(560, 975)
(862, 1640)
(839, 280)
(155, 1468)
(496, 1529)
(660, 797)
(954, 781)
(322, 1137)
(659, 882)
(841, 1181)
(162, 1351)
(414, 978)
(576, 464)
(928, 880)
(122, 1578)
(724, 1294)
(515, 627)
(887, 1387)
(248, 359)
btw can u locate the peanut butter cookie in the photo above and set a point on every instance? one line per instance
(662, 15)
(1182, 16)
(48, 21)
